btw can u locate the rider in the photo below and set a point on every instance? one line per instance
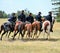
(38, 18)
(12, 20)
(49, 17)
(22, 17)
(30, 18)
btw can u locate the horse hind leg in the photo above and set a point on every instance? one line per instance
(28, 33)
(6, 33)
(14, 35)
(1, 28)
(34, 32)
(20, 32)
(0, 31)
(19, 36)
(3, 34)
(31, 34)
(48, 34)
(23, 32)
(38, 33)
(9, 34)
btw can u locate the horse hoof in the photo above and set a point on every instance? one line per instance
(18, 38)
(22, 38)
(0, 39)
(13, 39)
(46, 38)
(37, 37)
(11, 36)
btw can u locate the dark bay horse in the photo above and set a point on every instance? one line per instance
(19, 27)
(5, 27)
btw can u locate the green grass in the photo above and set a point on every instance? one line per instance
(58, 19)
(32, 46)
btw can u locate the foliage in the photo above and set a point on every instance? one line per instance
(56, 10)
(58, 19)
(3, 14)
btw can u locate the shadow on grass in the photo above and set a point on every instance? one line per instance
(54, 39)
(11, 40)
(42, 39)
(39, 39)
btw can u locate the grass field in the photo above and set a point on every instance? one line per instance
(32, 46)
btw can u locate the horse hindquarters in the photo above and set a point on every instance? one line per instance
(28, 29)
(46, 28)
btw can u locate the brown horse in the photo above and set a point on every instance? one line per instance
(19, 27)
(36, 27)
(28, 28)
(22, 26)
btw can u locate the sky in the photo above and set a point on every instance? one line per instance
(34, 6)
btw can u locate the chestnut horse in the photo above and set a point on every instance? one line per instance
(28, 28)
(36, 28)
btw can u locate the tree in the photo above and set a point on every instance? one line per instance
(3, 14)
(27, 12)
(56, 10)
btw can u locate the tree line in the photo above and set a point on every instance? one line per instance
(5, 15)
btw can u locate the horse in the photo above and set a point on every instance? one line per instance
(19, 27)
(46, 27)
(22, 26)
(36, 28)
(28, 28)
(6, 27)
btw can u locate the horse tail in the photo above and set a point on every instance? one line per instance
(36, 27)
(1, 28)
(49, 26)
